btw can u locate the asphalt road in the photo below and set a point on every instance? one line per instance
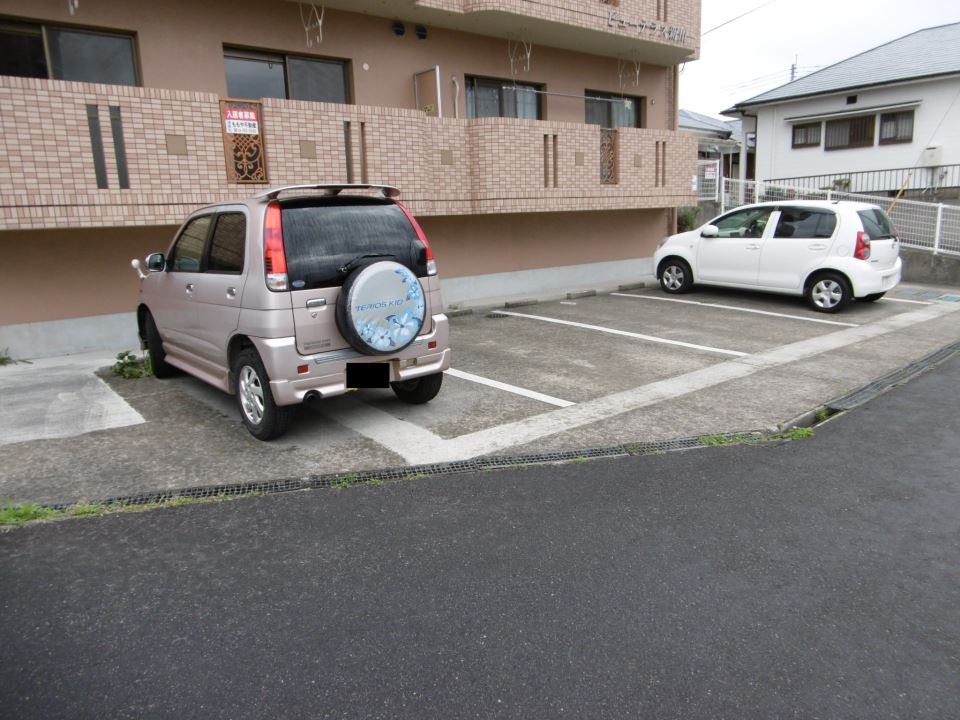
(810, 579)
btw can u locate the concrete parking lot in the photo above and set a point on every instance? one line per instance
(585, 372)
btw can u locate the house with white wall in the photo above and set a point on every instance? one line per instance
(718, 140)
(881, 121)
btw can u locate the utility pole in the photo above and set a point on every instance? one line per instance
(793, 68)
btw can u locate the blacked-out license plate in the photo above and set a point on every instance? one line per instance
(368, 375)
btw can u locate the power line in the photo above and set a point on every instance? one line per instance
(707, 32)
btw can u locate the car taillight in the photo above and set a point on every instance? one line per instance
(862, 252)
(431, 263)
(274, 259)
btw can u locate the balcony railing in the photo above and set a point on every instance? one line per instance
(646, 30)
(926, 181)
(170, 157)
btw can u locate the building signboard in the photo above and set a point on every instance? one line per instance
(653, 28)
(243, 141)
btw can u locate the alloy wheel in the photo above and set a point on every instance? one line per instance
(251, 394)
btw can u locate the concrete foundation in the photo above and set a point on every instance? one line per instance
(922, 266)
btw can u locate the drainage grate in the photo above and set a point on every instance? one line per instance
(411, 472)
(888, 382)
(344, 479)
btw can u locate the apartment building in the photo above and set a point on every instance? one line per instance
(536, 141)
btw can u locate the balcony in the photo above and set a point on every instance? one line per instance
(83, 155)
(650, 31)
(926, 183)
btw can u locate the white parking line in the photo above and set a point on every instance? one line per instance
(738, 309)
(509, 388)
(903, 300)
(417, 445)
(624, 333)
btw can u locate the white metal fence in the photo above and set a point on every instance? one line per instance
(708, 180)
(925, 226)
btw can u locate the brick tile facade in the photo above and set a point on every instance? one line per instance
(47, 175)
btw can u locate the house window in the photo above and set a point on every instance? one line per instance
(806, 135)
(488, 97)
(613, 111)
(896, 127)
(257, 75)
(61, 53)
(851, 132)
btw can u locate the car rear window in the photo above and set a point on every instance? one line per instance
(321, 237)
(876, 224)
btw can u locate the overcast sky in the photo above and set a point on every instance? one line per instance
(754, 54)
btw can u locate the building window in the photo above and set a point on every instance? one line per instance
(256, 75)
(61, 53)
(896, 127)
(851, 132)
(613, 111)
(806, 135)
(488, 97)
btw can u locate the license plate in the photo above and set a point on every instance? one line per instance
(368, 375)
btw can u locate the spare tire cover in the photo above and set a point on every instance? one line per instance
(381, 308)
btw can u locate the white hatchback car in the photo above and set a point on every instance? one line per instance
(827, 251)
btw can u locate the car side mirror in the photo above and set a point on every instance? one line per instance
(156, 262)
(709, 231)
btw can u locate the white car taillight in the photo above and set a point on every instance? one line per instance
(862, 251)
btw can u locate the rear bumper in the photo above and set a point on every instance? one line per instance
(873, 281)
(327, 372)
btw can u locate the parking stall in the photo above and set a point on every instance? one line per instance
(560, 376)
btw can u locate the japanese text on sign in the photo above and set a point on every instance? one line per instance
(241, 122)
(667, 32)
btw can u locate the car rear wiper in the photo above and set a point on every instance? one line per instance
(348, 266)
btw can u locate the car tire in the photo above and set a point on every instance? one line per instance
(873, 297)
(828, 293)
(419, 390)
(675, 276)
(158, 356)
(260, 413)
(381, 308)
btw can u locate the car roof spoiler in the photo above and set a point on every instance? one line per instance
(386, 191)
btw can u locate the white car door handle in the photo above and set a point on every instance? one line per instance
(231, 292)
(817, 246)
(189, 287)
(753, 247)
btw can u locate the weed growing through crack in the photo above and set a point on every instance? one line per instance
(130, 366)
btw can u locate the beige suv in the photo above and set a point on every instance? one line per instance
(299, 293)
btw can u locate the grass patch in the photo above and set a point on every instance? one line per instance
(714, 440)
(22, 513)
(345, 481)
(798, 433)
(11, 514)
(130, 366)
